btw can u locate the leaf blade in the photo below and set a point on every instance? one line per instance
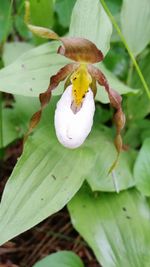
(43, 178)
(141, 168)
(116, 226)
(94, 25)
(136, 24)
(60, 259)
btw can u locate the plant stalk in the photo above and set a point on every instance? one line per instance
(127, 47)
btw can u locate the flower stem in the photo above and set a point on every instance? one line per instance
(127, 47)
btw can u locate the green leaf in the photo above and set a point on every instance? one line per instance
(135, 21)
(42, 15)
(137, 132)
(90, 21)
(43, 181)
(18, 19)
(116, 226)
(29, 75)
(117, 60)
(63, 9)
(115, 83)
(16, 119)
(140, 100)
(5, 20)
(142, 169)
(60, 259)
(114, 5)
(104, 154)
(12, 51)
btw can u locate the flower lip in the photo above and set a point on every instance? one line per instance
(72, 129)
(81, 81)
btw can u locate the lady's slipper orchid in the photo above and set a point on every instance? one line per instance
(75, 109)
(72, 128)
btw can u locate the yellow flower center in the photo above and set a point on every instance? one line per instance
(80, 80)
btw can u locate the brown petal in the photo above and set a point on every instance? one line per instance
(115, 101)
(46, 96)
(80, 49)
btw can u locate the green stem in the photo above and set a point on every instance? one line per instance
(1, 121)
(130, 72)
(127, 47)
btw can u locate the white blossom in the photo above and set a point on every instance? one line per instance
(72, 129)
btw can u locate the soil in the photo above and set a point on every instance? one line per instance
(53, 234)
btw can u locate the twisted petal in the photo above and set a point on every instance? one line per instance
(115, 101)
(72, 129)
(46, 96)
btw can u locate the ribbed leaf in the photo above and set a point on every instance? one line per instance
(116, 226)
(13, 50)
(90, 21)
(43, 181)
(16, 119)
(135, 20)
(142, 169)
(60, 259)
(104, 155)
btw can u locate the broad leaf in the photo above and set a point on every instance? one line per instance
(13, 50)
(16, 119)
(43, 181)
(30, 74)
(116, 226)
(137, 132)
(142, 168)
(90, 21)
(135, 21)
(60, 259)
(104, 154)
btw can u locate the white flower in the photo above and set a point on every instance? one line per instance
(72, 129)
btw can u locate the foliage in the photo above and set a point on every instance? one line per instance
(60, 259)
(49, 176)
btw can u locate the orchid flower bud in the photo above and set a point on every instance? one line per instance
(73, 128)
